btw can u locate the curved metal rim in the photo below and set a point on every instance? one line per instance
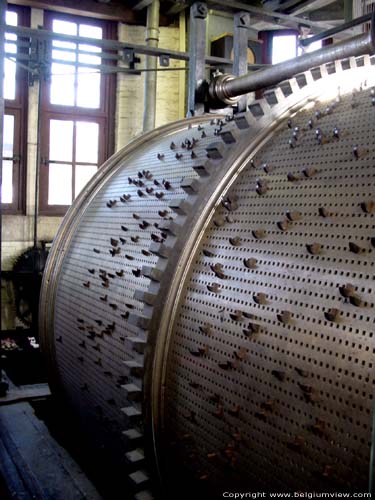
(66, 232)
(171, 304)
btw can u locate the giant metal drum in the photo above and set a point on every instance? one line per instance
(208, 301)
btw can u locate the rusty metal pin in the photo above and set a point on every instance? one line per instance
(368, 206)
(353, 247)
(314, 248)
(260, 298)
(283, 225)
(250, 263)
(258, 234)
(280, 375)
(235, 242)
(218, 270)
(237, 315)
(293, 177)
(294, 216)
(285, 317)
(206, 329)
(332, 314)
(207, 253)
(214, 288)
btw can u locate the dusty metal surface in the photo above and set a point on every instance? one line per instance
(246, 360)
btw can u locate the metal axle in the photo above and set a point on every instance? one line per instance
(225, 89)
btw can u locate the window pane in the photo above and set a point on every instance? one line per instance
(8, 135)
(284, 47)
(60, 184)
(64, 27)
(90, 31)
(61, 140)
(7, 182)
(88, 89)
(87, 142)
(10, 79)
(86, 58)
(310, 48)
(61, 54)
(83, 175)
(62, 84)
(9, 65)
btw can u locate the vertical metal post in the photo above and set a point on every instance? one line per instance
(152, 40)
(3, 6)
(240, 42)
(197, 52)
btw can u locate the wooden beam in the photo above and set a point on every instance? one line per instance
(109, 12)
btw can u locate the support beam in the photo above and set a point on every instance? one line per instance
(88, 8)
(142, 4)
(197, 49)
(240, 44)
(152, 40)
(287, 20)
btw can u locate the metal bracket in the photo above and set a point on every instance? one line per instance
(40, 61)
(129, 57)
(164, 61)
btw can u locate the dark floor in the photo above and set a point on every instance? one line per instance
(24, 366)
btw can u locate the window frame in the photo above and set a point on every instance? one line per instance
(105, 115)
(18, 107)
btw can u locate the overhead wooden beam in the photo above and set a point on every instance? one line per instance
(110, 12)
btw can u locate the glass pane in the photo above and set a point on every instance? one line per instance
(86, 58)
(64, 27)
(62, 54)
(7, 182)
(61, 140)
(83, 175)
(62, 84)
(284, 47)
(11, 18)
(90, 31)
(60, 184)
(88, 88)
(310, 48)
(8, 136)
(87, 142)
(9, 65)
(10, 79)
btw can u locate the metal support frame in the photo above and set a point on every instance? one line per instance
(197, 84)
(152, 40)
(240, 45)
(226, 88)
(112, 45)
(337, 29)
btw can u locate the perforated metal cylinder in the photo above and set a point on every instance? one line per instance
(208, 306)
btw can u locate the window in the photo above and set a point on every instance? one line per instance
(310, 48)
(284, 47)
(15, 116)
(77, 112)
